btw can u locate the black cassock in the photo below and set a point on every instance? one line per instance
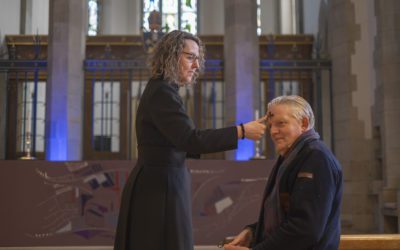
(156, 210)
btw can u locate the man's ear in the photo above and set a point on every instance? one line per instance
(304, 123)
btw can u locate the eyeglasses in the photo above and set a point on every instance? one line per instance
(191, 57)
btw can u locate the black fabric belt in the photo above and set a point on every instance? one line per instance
(160, 156)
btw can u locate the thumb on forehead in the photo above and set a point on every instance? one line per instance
(263, 119)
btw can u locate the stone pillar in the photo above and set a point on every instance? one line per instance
(387, 107)
(352, 101)
(388, 87)
(211, 23)
(121, 17)
(65, 85)
(241, 57)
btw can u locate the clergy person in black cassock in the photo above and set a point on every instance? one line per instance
(155, 211)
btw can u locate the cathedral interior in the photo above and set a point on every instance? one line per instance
(71, 78)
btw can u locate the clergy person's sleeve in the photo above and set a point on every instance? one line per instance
(169, 115)
(309, 206)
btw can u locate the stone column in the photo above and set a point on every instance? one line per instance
(65, 85)
(387, 106)
(121, 17)
(211, 23)
(241, 58)
(352, 100)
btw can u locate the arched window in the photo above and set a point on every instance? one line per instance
(93, 15)
(176, 14)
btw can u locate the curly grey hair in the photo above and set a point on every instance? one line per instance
(164, 61)
(301, 108)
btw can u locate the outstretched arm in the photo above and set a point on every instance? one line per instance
(253, 130)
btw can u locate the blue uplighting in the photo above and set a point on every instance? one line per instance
(244, 113)
(245, 150)
(57, 140)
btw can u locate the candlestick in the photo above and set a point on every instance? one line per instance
(28, 155)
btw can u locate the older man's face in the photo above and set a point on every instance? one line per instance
(283, 127)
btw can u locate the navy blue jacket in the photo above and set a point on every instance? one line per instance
(311, 193)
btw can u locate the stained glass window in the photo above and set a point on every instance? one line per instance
(176, 14)
(189, 16)
(148, 7)
(170, 14)
(93, 14)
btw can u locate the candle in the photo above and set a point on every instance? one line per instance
(256, 114)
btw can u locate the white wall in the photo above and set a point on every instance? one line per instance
(9, 17)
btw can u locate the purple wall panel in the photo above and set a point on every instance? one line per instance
(76, 203)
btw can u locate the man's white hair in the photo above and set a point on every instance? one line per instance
(299, 106)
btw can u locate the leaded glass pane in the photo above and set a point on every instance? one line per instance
(189, 5)
(172, 18)
(170, 14)
(106, 116)
(170, 6)
(287, 88)
(149, 6)
(212, 104)
(171, 22)
(93, 9)
(189, 16)
(26, 120)
(189, 22)
(146, 20)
